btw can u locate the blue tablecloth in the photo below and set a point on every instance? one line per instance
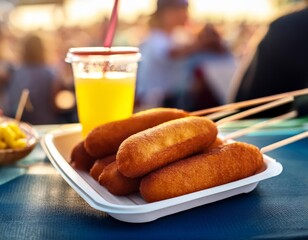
(42, 205)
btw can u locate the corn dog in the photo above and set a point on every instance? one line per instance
(217, 143)
(116, 183)
(99, 166)
(105, 139)
(80, 157)
(156, 147)
(228, 163)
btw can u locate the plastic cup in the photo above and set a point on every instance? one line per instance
(105, 80)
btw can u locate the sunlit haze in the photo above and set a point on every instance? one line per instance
(79, 12)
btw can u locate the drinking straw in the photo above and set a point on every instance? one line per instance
(112, 25)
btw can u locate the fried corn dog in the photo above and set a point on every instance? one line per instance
(80, 157)
(217, 143)
(222, 165)
(100, 165)
(156, 147)
(116, 183)
(105, 139)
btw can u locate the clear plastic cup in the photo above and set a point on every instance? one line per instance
(105, 80)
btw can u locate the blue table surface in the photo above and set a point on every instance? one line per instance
(44, 206)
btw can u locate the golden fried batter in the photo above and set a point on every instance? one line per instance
(156, 147)
(116, 183)
(80, 158)
(105, 139)
(216, 144)
(99, 166)
(222, 165)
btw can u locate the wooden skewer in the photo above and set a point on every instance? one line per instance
(22, 103)
(242, 132)
(220, 114)
(255, 110)
(249, 103)
(284, 142)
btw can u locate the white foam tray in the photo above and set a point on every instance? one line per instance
(59, 144)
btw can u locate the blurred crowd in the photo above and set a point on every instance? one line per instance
(184, 64)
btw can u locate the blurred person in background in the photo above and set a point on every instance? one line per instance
(6, 71)
(160, 73)
(39, 79)
(65, 98)
(212, 71)
(164, 69)
(280, 63)
(167, 66)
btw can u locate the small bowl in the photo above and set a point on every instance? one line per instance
(10, 156)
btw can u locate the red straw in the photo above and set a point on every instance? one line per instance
(112, 25)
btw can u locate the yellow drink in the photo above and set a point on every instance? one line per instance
(105, 81)
(104, 99)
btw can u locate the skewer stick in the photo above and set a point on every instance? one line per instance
(22, 103)
(255, 110)
(249, 103)
(220, 114)
(284, 142)
(242, 132)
